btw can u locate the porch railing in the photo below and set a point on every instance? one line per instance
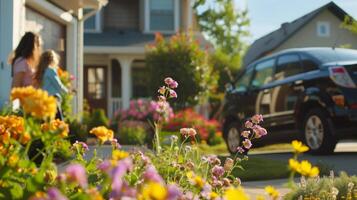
(114, 105)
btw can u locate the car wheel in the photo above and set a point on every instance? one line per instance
(232, 137)
(318, 132)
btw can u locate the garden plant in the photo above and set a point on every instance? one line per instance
(177, 171)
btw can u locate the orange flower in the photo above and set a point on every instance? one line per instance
(35, 102)
(102, 133)
(56, 126)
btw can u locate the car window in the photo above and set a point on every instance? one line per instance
(244, 80)
(308, 64)
(288, 65)
(263, 73)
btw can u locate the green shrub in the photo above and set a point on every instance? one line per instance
(97, 118)
(324, 188)
(132, 135)
(78, 131)
(183, 59)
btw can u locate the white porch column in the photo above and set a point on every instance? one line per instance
(126, 84)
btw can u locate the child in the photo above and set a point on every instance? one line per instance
(46, 77)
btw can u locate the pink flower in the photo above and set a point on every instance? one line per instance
(54, 194)
(240, 149)
(161, 98)
(247, 144)
(174, 192)
(173, 84)
(72, 78)
(217, 171)
(248, 124)
(188, 132)
(115, 143)
(168, 80)
(151, 174)
(173, 94)
(104, 166)
(77, 174)
(259, 131)
(245, 134)
(257, 119)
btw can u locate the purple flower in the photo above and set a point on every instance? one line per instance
(259, 131)
(151, 174)
(115, 144)
(173, 84)
(240, 149)
(117, 176)
(248, 124)
(105, 166)
(245, 134)
(247, 144)
(168, 80)
(173, 94)
(217, 171)
(174, 192)
(77, 174)
(257, 119)
(54, 194)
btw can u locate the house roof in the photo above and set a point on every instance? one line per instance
(274, 39)
(129, 38)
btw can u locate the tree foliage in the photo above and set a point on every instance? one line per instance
(226, 26)
(182, 58)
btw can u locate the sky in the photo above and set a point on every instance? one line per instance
(267, 15)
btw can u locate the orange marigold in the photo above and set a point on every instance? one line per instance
(102, 133)
(58, 126)
(35, 102)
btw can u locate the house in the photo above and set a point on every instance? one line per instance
(60, 24)
(114, 47)
(319, 28)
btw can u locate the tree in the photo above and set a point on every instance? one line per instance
(181, 58)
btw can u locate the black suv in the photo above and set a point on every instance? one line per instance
(306, 93)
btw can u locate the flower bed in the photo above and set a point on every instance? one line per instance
(174, 172)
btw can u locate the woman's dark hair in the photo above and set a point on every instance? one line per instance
(26, 46)
(46, 59)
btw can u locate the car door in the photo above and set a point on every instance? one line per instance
(288, 84)
(260, 89)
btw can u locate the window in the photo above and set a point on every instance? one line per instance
(243, 81)
(96, 83)
(308, 64)
(93, 23)
(288, 65)
(162, 15)
(140, 79)
(263, 74)
(323, 29)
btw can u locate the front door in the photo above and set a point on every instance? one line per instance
(95, 87)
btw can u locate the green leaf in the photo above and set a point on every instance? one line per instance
(16, 191)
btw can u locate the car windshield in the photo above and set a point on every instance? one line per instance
(333, 55)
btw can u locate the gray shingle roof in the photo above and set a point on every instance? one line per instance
(274, 39)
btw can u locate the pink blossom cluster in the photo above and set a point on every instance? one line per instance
(252, 131)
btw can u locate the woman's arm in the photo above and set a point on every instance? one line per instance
(17, 79)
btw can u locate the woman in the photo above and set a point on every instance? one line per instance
(47, 78)
(25, 59)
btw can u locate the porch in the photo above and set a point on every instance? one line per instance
(111, 81)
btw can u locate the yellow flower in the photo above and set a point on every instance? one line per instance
(213, 195)
(272, 192)
(118, 155)
(195, 180)
(235, 193)
(13, 159)
(260, 198)
(154, 191)
(102, 133)
(94, 194)
(56, 126)
(294, 164)
(35, 102)
(299, 147)
(304, 168)
(38, 195)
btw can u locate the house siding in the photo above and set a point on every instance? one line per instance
(307, 36)
(123, 14)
